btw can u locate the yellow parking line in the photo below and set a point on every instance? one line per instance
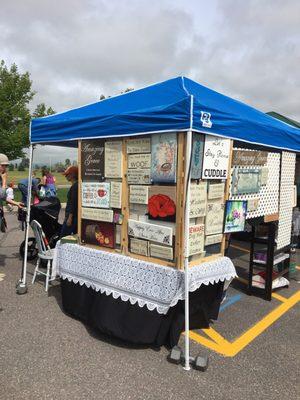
(279, 297)
(231, 349)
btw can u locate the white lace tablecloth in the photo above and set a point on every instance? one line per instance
(133, 280)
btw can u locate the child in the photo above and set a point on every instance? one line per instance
(10, 196)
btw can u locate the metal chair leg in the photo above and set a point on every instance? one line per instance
(36, 270)
(48, 275)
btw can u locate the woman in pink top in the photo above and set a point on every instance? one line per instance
(48, 181)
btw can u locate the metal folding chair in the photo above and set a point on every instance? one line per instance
(44, 253)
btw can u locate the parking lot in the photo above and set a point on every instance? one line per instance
(44, 354)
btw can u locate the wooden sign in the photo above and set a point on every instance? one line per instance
(138, 194)
(252, 204)
(216, 191)
(271, 217)
(196, 239)
(155, 233)
(214, 218)
(92, 160)
(198, 194)
(213, 239)
(245, 181)
(95, 194)
(164, 157)
(197, 156)
(138, 176)
(99, 233)
(215, 158)
(116, 194)
(139, 246)
(113, 159)
(139, 161)
(164, 252)
(97, 214)
(162, 203)
(248, 157)
(118, 234)
(141, 145)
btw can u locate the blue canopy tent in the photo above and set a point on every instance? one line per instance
(176, 105)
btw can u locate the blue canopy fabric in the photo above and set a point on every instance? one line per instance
(178, 104)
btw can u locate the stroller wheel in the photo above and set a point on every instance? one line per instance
(32, 251)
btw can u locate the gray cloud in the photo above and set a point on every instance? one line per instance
(77, 49)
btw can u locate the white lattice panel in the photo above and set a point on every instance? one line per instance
(286, 199)
(269, 193)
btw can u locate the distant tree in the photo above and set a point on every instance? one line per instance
(103, 97)
(25, 162)
(42, 111)
(11, 167)
(67, 162)
(21, 167)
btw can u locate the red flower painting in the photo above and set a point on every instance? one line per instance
(161, 206)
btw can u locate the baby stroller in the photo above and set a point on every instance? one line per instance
(46, 213)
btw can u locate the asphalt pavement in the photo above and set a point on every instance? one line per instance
(45, 354)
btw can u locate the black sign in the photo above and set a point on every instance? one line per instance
(92, 160)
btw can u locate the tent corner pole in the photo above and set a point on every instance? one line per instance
(187, 366)
(22, 285)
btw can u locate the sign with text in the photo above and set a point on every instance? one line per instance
(215, 158)
(163, 252)
(216, 191)
(213, 239)
(155, 233)
(214, 218)
(92, 160)
(197, 156)
(164, 157)
(198, 195)
(139, 246)
(138, 194)
(249, 157)
(138, 176)
(139, 161)
(97, 214)
(116, 194)
(196, 239)
(135, 146)
(113, 159)
(95, 194)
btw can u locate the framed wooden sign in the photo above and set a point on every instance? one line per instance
(264, 174)
(249, 157)
(138, 176)
(141, 145)
(155, 233)
(116, 194)
(246, 181)
(197, 156)
(99, 233)
(198, 196)
(213, 239)
(215, 157)
(196, 239)
(216, 191)
(95, 194)
(214, 218)
(139, 161)
(113, 159)
(163, 252)
(97, 214)
(92, 160)
(138, 194)
(164, 157)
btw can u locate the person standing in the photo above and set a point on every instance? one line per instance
(23, 187)
(10, 195)
(48, 181)
(3, 174)
(70, 221)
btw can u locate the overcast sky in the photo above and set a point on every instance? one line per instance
(77, 49)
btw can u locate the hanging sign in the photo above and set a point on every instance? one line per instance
(95, 194)
(138, 146)
(213, 239)
(214, 218)
(216, 191)
(164, 157)
(139, 161)
(155, 233)
(163, 252)
(116, 194)
(249, 157)
(198, 195)
(113, 159)
(215, 158)
(197, 155)
(92, 160)
(97, 214)
(99, 233)
(196, 239)
(139, 246)
(245, 181)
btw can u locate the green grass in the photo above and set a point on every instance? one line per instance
(16, 176)
(61, 194)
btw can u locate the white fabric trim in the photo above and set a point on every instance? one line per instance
(139, 282)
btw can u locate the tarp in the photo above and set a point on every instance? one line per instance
(178, 104)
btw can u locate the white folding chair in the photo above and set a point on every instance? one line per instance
(44, 253)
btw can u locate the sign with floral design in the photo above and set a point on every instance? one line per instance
(235, 216)
(164, 157)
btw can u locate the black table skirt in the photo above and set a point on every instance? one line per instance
(137, 325)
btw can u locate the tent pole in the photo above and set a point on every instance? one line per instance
(186, 251)
(22, 286)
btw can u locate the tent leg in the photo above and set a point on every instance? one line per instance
(22, 285)
(186, 252)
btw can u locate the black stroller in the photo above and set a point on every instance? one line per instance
(46, 213)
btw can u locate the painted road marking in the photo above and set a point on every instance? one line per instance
(229, 301)
(222, 346)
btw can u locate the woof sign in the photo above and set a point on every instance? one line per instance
(215, 158)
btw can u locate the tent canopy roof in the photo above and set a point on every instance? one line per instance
(178, 104)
